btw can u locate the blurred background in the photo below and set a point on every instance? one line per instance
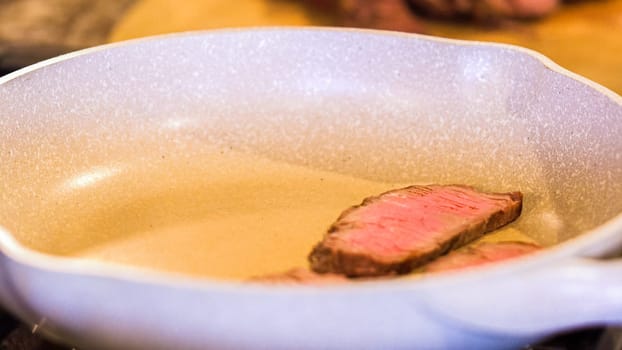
(583, 36)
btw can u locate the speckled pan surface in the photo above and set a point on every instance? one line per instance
(375, 105)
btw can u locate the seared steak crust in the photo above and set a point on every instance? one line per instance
(402, 229)
(480, 254)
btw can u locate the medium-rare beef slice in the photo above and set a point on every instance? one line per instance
(481, 254)
(402, 229)
(300, 276)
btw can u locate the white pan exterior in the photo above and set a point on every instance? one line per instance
(377, 105)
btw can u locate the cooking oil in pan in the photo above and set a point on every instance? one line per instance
(249, 217)
(227, 216)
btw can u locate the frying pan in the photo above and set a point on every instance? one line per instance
(86, 132)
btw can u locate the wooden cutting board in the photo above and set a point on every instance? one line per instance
(585, 37)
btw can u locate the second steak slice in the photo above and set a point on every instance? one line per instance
(402, 229)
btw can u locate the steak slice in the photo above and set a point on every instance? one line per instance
(300, 276)
(480, 254)
(402, 229)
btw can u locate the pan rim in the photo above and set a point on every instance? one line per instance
(546, 61)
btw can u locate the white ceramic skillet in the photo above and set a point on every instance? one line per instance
(374, 105)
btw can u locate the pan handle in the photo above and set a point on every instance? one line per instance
(568, 293)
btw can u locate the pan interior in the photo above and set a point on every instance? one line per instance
(228, 155)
